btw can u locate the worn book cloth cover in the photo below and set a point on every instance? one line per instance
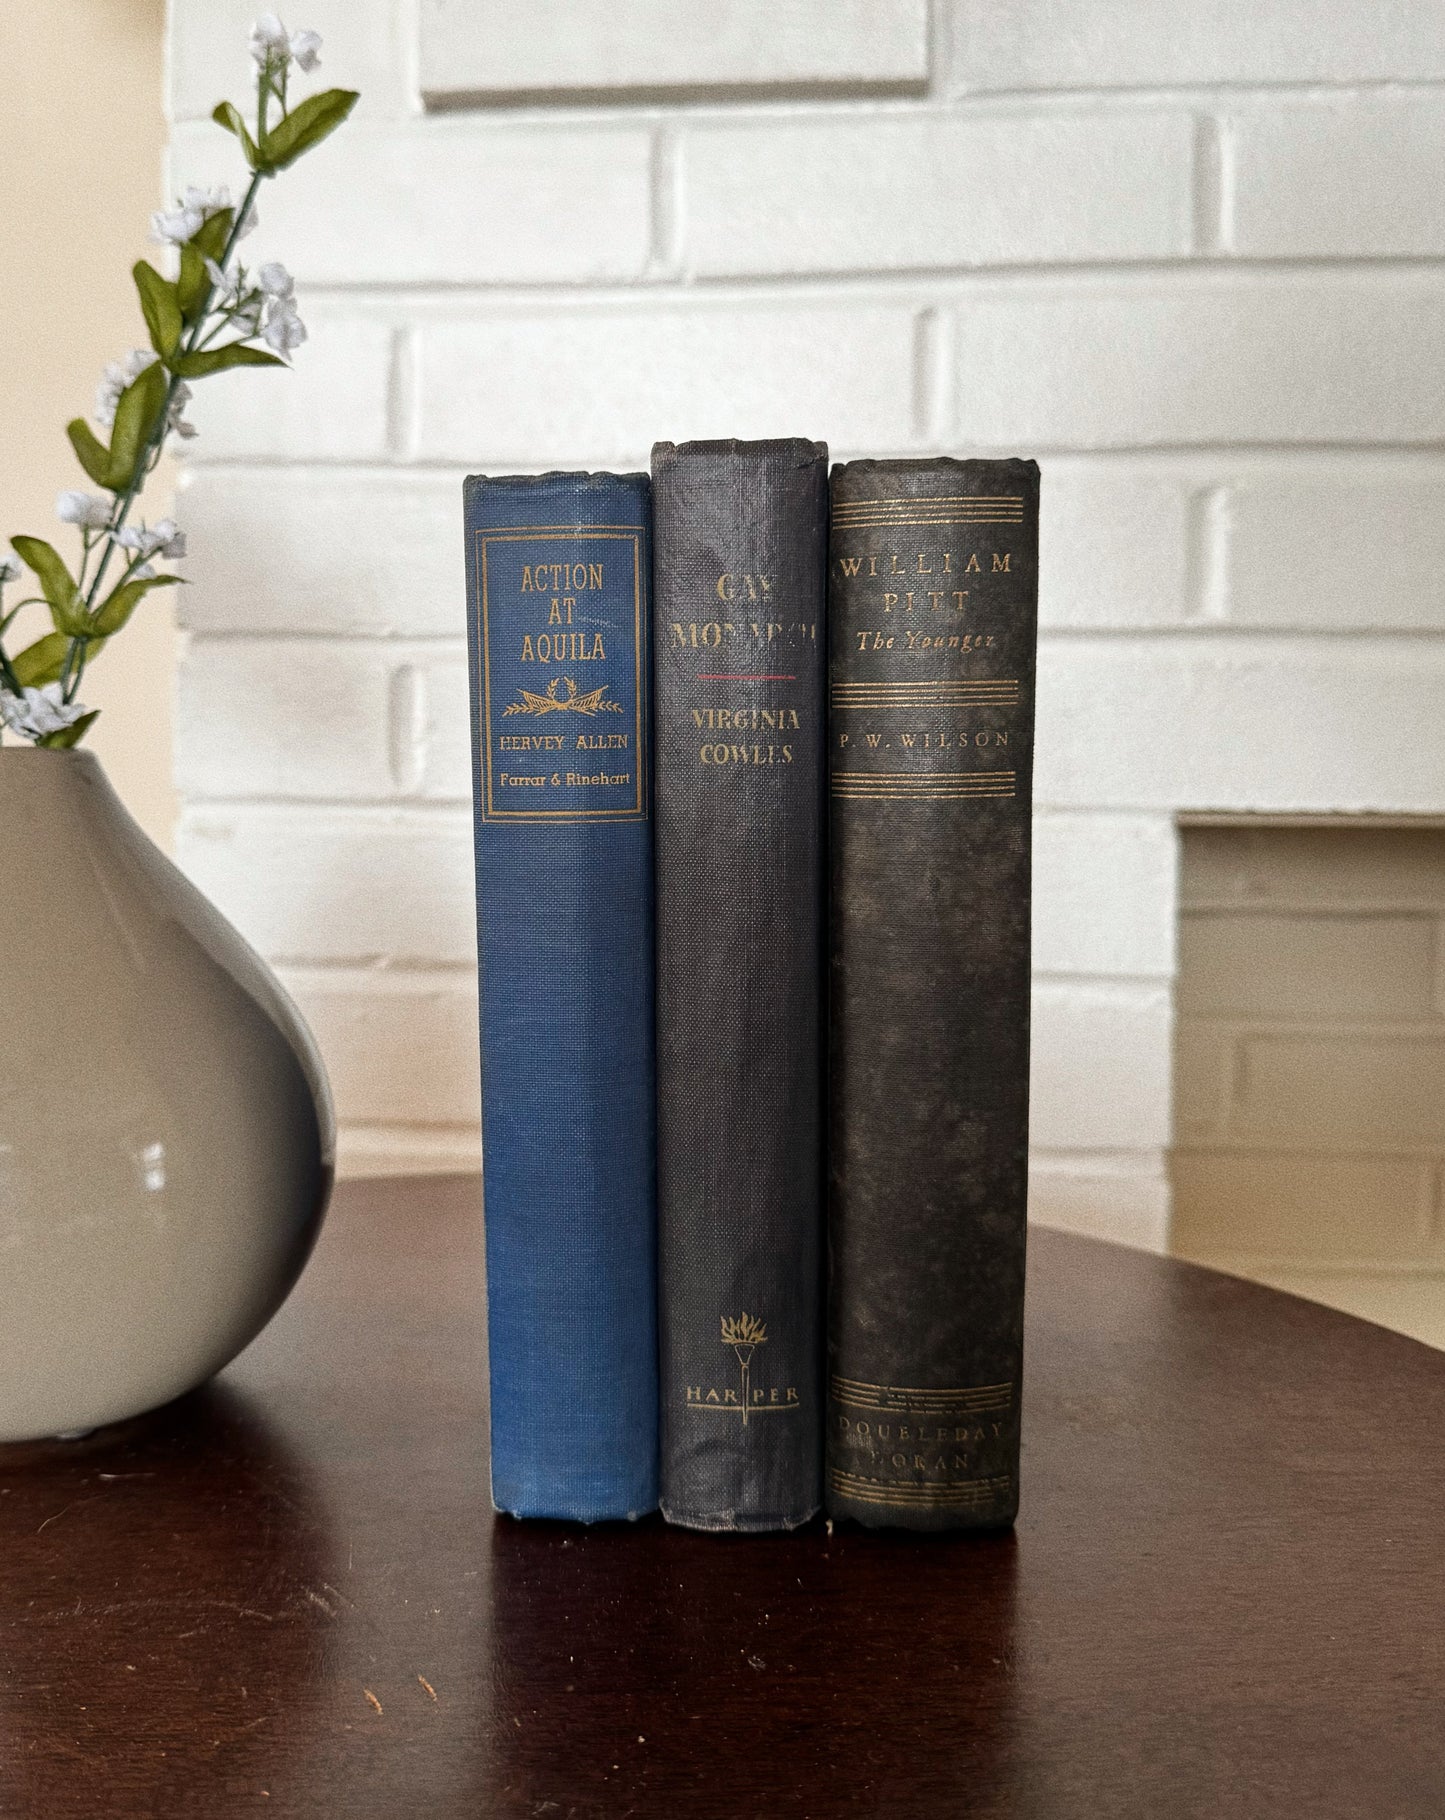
(559, 628)
(740, 578)
(932, 585)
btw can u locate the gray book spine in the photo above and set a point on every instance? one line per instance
(740, 580)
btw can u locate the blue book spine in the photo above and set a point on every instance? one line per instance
(559, 633)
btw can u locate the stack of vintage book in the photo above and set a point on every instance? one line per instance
(753, 784)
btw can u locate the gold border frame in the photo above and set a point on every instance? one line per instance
(541, 533)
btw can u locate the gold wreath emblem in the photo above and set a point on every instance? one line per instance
(554, 702)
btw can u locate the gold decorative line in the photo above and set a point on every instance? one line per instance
(510, 533)
(928, 508)
(954, 691)
(913, 688)
(899, 788)
(936, 515)
(934, 502)
(989, 697)
(881, 524)
(884, 1491)
(937, 780)
(924, 511)
(937, 790)
(952, 1390)
(919, 1487)
(930, 499)
(944, 1399)
(913, 1399)
(923, 796)
(926, 777)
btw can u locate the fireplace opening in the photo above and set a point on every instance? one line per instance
(1309, 1061)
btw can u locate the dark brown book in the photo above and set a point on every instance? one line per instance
(931, 624)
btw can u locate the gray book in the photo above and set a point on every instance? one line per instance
(741, 550)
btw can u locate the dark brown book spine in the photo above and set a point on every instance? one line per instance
(931, 624)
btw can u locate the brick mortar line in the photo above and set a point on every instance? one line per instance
(1231, 462)
(888, 284)
(1424, 451)
(937, 100)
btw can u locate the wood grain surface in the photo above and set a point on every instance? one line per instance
(287, 1595)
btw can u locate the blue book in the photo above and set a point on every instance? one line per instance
(559, 633)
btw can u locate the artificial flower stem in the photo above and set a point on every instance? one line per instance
(75, 669)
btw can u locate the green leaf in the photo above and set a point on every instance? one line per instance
(41, 662)
(305, 126)
(90, 451)
(124, 601)
(229, 117)
(218, 360)
(66, 737)
(161, 306)
(67, 609)
(137, 417)
(193, 287)
(210, 238)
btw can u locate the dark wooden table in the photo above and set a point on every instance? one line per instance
(287, 1595)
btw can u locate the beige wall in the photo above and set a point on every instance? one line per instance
(81, 140)
(1310, 1064)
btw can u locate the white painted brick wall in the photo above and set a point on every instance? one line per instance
(1357, 175)
(499, 49)
(936, 190)
(1121, 44)
(624, 374)
(1188, 256)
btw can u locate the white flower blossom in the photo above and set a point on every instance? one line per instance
(269, 38)
(146, 572)
(175, 419)
(118, 375)
(39, 711)
(284, 329)
(274, 47)
(227, 284)
(306, 50)
(10, 569)
(164, 538)
(275, 280)
(247, 315)
(194, 209)
(89, 510)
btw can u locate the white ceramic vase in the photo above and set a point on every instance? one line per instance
(167, 1143)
